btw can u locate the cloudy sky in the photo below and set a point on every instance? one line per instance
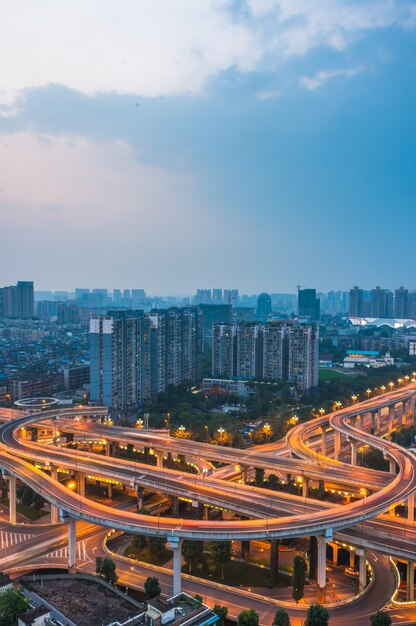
(176, 144)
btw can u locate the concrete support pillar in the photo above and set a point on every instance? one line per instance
(321, 572)
(54, 509)
(108, 448)
(391, 417)
(12, 498)
(54, 429)
(362, 568)
(72, 544)
(405, 411)
(206, 512)
(175, 506)
(305, 488)
(359, 422)
(140, 492)
(352, 559)
(335, 554)
(323, 439)
(410, 580)
(411, 508)
(337, 444)
(175, 544)
(373, 415)
(354, 448)
(245, 550)
(110, 491)
(244, 474)
(392, 465)
(159, 459)
(81, 484)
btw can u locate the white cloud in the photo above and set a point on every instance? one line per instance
(170, 47)
(312, 83)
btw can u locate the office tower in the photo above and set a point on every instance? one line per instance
(272, 351)
(243, 314)
(68, 313)
(308, 305)
(138, 297)
(61, 296)
(81, 293)
(231, 296)
(18, 300)
(217, 296)
(401, 303)
(302, 356)
(223, 350)
(120, 359)
(335, 302)
(264, 307)
(213, 314)
(381, 303)
(356, 302)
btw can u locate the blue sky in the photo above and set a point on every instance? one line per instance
(179, 144)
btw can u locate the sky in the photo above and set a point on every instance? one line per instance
(172, 145)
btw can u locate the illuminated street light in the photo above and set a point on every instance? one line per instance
(139, 423)
(221, 430)
(267, 431)
(391, 385)
(383, 388)
(322, 411)
(182, 427)
(368, 392)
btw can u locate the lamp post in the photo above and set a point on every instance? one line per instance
(267, 431)
(221, 430)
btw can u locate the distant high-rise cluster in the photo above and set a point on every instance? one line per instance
(309, 306)
(382, 303)
(17, 300)
(272, 351)
(217, 296)
(135, 354)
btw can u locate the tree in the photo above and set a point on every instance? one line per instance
(281, 618)
(192, 552)
(38, 502)
(152, 587)
(98, 564)
(299, 575)
(222, 612)
(156, 546)
(248, 618)
(259, 477)
(222, 554)
(12, 602)
(381, 618)
(317, 615)
(27, 496)
(108, 571)
(198, 599)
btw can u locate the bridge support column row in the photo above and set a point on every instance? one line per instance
(159, 459)
(305, 487)
(411, 508)
(175, 544)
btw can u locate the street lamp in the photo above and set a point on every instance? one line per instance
(181, 428)
(206, 430)
(221, 430)
(322, 411)
(383, 388)
(391, 385)
(368, 392)
(139, 423)
(267, 431)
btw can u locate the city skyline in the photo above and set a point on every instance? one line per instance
(258, 141)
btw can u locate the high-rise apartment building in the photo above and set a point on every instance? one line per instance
(401, 303)
(18, 300)
(120, 359)
(356, 302)
(272, 351)
(136, 354)
(308, 305)
(214, 314)
(381, 303)
(231, 296)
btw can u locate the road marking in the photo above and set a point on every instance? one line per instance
(8, 540)
(62, 553)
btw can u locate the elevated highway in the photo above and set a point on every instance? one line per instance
(322, 522)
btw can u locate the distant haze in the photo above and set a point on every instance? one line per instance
(173, 145)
